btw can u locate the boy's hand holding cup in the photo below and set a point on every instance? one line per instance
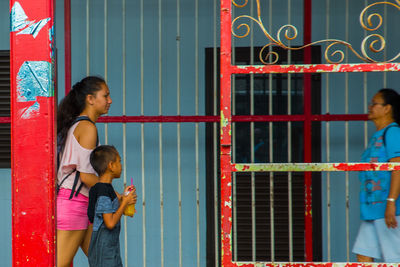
(130, 196)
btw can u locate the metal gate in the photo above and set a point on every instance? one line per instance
(246, 23)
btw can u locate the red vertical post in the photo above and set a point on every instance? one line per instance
(32, 132)
(67, 44)
(307, 134)
(225, 139)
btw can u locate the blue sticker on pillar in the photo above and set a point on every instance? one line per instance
(19, 22)
(34, 79)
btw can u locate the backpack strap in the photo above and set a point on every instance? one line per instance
(86, 118)
(77, 175)
(75, 184)
(63, 180)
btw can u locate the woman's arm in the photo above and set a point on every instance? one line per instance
(89, 179)
(390, 213)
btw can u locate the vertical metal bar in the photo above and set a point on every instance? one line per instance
(271, 182)
(347, 140)
(215, 142)
(385, 17)
(105, 60)
(142, 131)
(160, 130)
(328, 175)
(178, 103)
(33, 172)
(196, 34)
(67, 45)
(125, 219)
(289, 130)
(87, 37)
(271, 154)
(143, 196)
(253, 185)
(105, 41)
(365, 101)
(365, 96)
(307, 132)
(124, 113)
(225, 137)
(234, 180)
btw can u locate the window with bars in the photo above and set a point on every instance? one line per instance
(265, 149)
(5, 128)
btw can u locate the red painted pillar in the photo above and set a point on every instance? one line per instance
(32, 132)
(225, 140)
(307, 134)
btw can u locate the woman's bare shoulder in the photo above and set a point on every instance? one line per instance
(86, 134)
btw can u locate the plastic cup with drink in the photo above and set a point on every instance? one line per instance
(130, 209)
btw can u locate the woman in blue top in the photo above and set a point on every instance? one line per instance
(379, 234)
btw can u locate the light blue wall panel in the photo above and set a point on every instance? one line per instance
(5, 222)
(151, 188)
(5, 25)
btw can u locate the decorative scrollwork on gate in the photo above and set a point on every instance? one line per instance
(375, 42)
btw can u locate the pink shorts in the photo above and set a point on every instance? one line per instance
(71, 213)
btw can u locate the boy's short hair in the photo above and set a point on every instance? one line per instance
(101, 156)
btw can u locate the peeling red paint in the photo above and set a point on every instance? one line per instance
(246, 168)
(225, 144)
(365, 166)
(347, 167)
(313, 264)
(317, 68)
(327, 264)
(314, 167)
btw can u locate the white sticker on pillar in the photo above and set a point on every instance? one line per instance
(18, 18)
(34, 28)
(19, 22)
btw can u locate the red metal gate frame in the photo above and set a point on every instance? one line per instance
(227, 167)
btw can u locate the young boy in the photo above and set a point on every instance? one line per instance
(106, 208)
